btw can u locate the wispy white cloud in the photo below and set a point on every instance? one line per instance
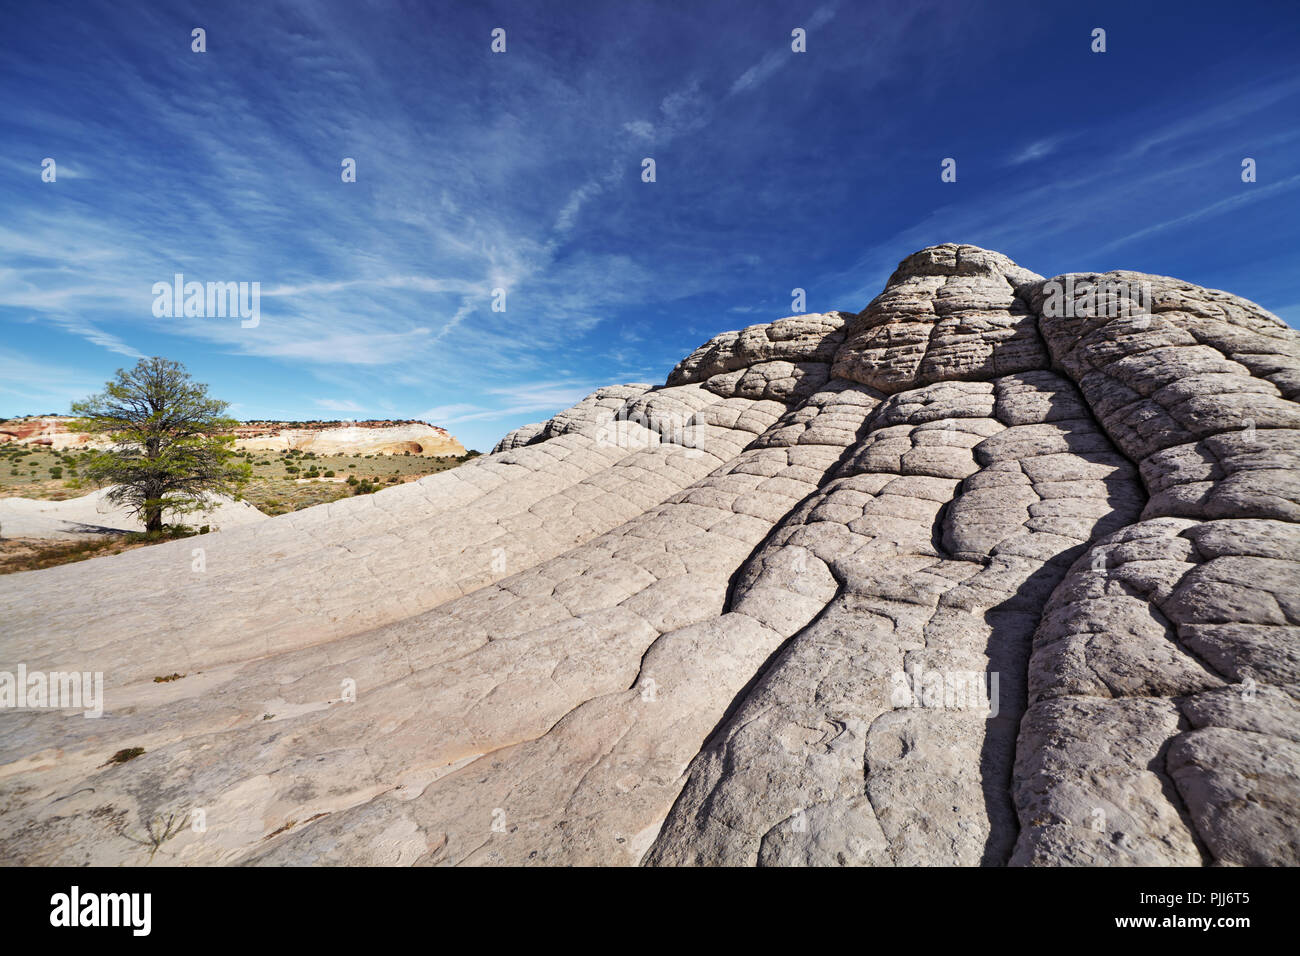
(339, 405)
(779, 56)
(542, 397)
(43, 386)
(1038, 149)
(416, 283)
(640, 129)
(760, 71)
(1253, 193)
(97, 336)
(776, 169)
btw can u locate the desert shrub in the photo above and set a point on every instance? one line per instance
(56, 472)
(330, 473)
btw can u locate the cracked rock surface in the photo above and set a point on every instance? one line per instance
(985, 574)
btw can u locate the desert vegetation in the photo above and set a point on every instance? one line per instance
(279, 482)
(166, 447)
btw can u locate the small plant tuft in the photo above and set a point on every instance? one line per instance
(122, 756)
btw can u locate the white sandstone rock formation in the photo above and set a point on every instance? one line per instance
(418, 438)
(956, 580)
(323, 438)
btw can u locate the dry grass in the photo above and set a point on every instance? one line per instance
(30, 472)
(276, 488)
(34, 554)
(25, 472)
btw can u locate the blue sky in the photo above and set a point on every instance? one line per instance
(522, 171)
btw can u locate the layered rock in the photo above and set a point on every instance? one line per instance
(323, 438)
(48, 431)
(984, 574)
(350, 438)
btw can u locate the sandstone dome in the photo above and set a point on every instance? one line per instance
(740, 618)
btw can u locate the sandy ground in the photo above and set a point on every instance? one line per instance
(93, 515)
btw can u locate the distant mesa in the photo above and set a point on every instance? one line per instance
(350, 438)
(374, 437)
(49, 431)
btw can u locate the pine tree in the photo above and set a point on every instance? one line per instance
(172, 444)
